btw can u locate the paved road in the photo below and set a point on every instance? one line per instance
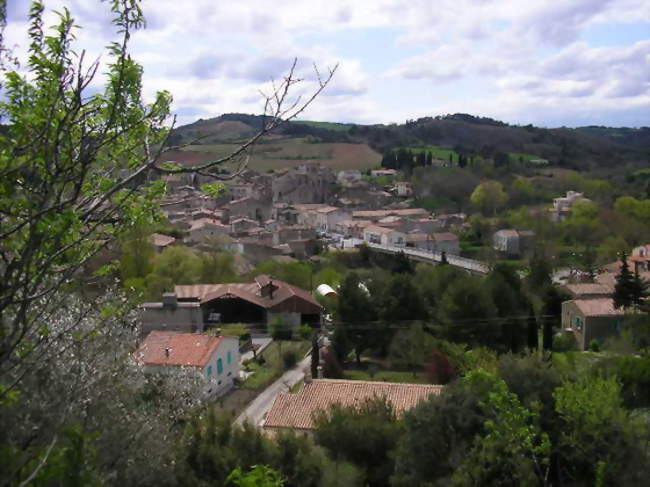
(256, 410)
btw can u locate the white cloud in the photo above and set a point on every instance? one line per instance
(526, 58)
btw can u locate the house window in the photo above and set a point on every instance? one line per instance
(219, 367)
(209, 370)
(229, 357)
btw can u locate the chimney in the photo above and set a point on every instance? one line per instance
(167, 350)
(320, 371)
(271, 289)
(169, 300)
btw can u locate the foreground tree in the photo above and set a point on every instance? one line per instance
(78, 169)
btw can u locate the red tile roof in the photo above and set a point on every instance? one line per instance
(297, 410)
(247, 291)
(178, 349)
(597, 307)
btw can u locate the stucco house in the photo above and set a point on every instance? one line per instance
(591, 319)
(403, 189)
(384, 236)
(160, 242)
(204, 229)
(214, 358)
(295, 411)
(563, 206)
(512, 243)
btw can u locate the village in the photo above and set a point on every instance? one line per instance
(300, 214)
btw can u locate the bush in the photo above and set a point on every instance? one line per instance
(331, 367)
(439, 370)
(280, 330)
(305, 332)
(594, 345)
(564, 343)
(289, 358)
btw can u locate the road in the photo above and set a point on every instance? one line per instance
(255, 411)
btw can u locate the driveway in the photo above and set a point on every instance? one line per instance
(256, 410)
(260, 343)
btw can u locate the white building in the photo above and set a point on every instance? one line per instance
(384, 236)
(214, 358)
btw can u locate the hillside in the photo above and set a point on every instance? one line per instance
(346, 146)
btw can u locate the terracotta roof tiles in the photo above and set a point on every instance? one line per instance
(297, 410)
(178, 349)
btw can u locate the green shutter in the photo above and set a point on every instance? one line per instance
(209, 370)
(219, 367)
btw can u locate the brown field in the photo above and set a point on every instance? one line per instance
(287, 153)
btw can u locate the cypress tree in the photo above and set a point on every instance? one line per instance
(315, 356)
(624, 289)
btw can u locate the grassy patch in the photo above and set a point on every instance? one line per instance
(273, 367)
(337, 127)
(516, 156)
(436, 151)
(403, 377)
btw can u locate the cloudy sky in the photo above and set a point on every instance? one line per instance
(550, 63)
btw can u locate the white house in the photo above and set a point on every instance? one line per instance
(384, 236)
(563, 206)
(403, 189)
(214, 358)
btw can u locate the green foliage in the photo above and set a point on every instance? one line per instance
(258, 476)
(364, 435)
(280, 330)
(289, 358)
(513, 451)
(489, 196)
(238, 330)
(467, 311)
(296, 273)
(305, 332)
(598, 438)
(410, 348)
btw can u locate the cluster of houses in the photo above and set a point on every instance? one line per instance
(287, 213)
(266, 216)
(590, 313)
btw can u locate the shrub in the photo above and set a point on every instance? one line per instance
(305, 332)
(331, 367)
(594, 345)
(280, 330)
(289, 358)
(439, 370)
(564, 343)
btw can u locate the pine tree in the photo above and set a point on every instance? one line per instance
(624, 290)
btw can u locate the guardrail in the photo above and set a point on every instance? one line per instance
(455, 260)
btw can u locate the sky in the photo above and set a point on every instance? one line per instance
(549, 63)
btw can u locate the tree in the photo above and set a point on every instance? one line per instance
(514, 450)
(357, 317)
(488, 197)
(467, 311)
(599, 442)
(258, 476)
(624, 289)
(410, 348)
(370, 432)
(315, 356)
(79, 168)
